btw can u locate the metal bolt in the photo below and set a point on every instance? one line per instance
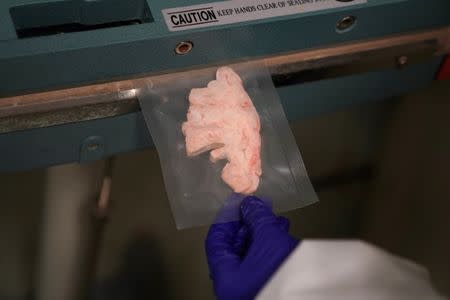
(345, 23)
(93, 147)
(184, 47)
(402, 61)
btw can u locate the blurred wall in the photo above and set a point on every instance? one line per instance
(408, 211)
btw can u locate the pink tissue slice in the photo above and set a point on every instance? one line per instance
(222, 119)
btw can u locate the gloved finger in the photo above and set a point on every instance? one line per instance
(220, 252)
(230, 211)
(256, 214)
(241, 241)
(283, 224)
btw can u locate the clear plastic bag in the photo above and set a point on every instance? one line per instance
(194, 185)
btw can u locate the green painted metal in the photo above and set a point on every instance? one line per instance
(38, 148)
(78, 58)
(72, 59)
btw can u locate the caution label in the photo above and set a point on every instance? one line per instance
(235, 11)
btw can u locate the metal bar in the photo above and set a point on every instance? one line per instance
(119, 97)
(77, 197)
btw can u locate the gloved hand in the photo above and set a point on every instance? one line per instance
(243, 255)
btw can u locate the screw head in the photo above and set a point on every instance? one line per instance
(93, 147)
(345, 23)
(184, 48)
(402, 60)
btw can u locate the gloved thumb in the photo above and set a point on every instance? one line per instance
(256, 214)
(220, 253)
(283, 224)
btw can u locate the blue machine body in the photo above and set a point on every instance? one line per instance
(137, 42)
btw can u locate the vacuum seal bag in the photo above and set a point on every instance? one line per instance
(221, 134)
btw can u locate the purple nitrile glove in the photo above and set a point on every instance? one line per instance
(243, 255)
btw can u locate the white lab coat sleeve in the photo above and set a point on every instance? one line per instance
(347, 270)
